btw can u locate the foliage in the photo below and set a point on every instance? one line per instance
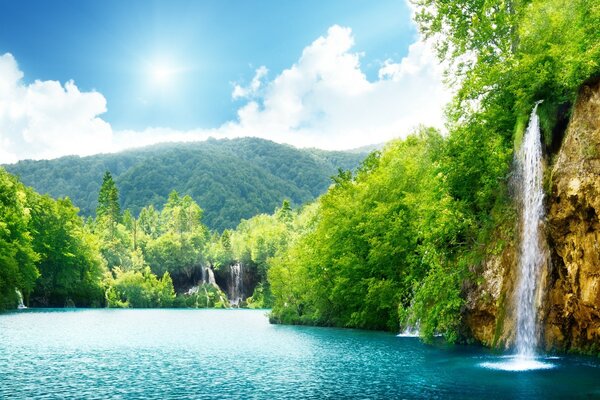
(370, 240)
(180, 247)
(510, 54)
(262, 297)
(17, 257)
(179, 255)
(108, 201)
(232, 179)
(69, 263)
(46, 252)
(139, 289)
(203, 296)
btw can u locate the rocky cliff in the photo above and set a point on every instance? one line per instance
(569, 295)
(572, 309)
(490, 311)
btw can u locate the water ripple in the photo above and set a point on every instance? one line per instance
(236, 354)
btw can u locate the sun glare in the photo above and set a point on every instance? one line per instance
(162, 74)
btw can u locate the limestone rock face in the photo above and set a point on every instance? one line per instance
(569, 292)
(490, 307)
(572, 308)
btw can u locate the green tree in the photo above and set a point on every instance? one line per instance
(70, 264)
(181, 247)
(285, 213)
(181, 214)
(17, 257)
(364, 253)
(108, 208)
(139, 289)
(148, 221)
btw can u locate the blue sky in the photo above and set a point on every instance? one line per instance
(169, 69)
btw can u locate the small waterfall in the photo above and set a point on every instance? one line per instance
(192, 291)
(236, 287)
(21, 306)
(203, 275)
(211, 277)
(532, 250)
(409, 331)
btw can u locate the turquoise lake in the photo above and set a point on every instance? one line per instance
(237, 354)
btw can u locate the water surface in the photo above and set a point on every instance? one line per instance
(195, 354)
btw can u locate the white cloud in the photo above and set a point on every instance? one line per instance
(323, 100)
(240, 92)
(45, 119)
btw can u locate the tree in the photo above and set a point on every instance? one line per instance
(148, 221)
(139, 289)
(17, 257)
(131, 224)
(70, 264)
(180, 248)
(108, 208)
(285, 213)
(181, 214)
(371, 242)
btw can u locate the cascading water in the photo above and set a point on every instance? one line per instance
(532, 255)
(532, 252)
(21, 305)
(211, 277)
(410, 331)
(203, 269)
(236, 287)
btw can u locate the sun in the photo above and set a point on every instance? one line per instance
(162, 74)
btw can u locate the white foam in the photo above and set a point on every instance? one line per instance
(408, 334)
(517, 364)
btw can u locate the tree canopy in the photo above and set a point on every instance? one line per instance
(231, 179)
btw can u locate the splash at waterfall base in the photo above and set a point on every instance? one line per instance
(568, 295)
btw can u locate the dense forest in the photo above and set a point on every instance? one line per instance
(56, 259)
(397, 243)
(231, 179)
(389, 245)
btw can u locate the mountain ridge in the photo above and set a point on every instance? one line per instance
(231, 179)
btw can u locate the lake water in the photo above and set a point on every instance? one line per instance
(237, 354)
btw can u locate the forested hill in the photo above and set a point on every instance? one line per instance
(230, 179)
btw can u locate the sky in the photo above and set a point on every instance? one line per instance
(84, 77)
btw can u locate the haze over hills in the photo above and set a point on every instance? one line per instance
(231, 179)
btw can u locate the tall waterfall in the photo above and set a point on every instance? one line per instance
(236, 286)
(532, 251)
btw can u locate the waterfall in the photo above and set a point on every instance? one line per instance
(532, 254)
(410, 331)
(193, 290)
(21, 306)
(203, 275)
(236, 287)
(211, 277)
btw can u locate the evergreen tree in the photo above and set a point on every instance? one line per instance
(285, 214)
(108, 200)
